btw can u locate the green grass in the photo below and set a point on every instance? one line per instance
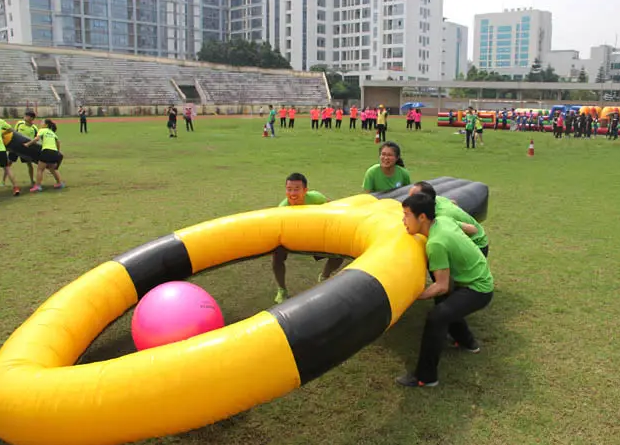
(548, 369)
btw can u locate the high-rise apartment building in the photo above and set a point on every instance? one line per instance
(509, 42)
(399, 39)
(454, 51)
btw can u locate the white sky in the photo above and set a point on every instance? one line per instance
(577, 24)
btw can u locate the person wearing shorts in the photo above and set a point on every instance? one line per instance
(172, 121)
(28, 129)
(5, 163)
(297, 193)
(50, 157)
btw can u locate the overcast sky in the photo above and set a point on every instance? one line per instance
(577, 24)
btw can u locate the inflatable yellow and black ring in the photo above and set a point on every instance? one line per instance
(45, 399)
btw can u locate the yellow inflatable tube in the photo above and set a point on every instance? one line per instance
(45, 399)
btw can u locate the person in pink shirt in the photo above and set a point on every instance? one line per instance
(353, 118)
(339, 113)
(324, 116)
(410, 119)
(418, 119)
(291, 117)
(364, 119)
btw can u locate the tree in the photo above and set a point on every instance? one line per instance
(600, 77)
(583, 76)
(536, 73)
(338, 87)
(238, 52)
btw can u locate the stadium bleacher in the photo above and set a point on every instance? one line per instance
(113, 80)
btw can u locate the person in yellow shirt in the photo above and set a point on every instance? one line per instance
(50, 155)
(30, 130)
(4, 157)
(381, 122)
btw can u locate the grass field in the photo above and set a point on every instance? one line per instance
(547, 372)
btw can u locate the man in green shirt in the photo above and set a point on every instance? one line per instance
(451, 254)
(30, 130)
(445, 207)
(272, 120)
(470, 126)
(297, 193)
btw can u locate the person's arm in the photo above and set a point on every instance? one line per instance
(37, 138)
(469, 229)
(440, 287)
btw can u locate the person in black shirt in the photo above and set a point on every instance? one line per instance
(172, 121)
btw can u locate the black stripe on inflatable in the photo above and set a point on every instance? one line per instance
(159, 261)
(332, 321)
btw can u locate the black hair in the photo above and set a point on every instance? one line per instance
(30, 113)
(426, 188)
(297, 177)
(394, 146)
(419, 204)
(50, 124)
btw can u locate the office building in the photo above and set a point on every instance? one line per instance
(454, 51)
(164, 28)
(509, 42)
(399, 39)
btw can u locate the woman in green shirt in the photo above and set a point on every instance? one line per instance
(389, 173)
(50, 156)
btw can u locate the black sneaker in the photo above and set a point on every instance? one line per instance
(411, 381)
(474, 348)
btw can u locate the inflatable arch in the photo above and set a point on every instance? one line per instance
(45, 399)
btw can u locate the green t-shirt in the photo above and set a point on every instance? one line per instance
(445, 207)
(27, 130)
(376, 181)
(48, 139)
(272, 116)
(470, 121)
(448, 247)
(4, 125)
(312, 198)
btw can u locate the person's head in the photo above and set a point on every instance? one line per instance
(418, 213)
(423, 187)
(50, 124)
(271, 107)
(389, 155)
(296, 188)
(29, 116)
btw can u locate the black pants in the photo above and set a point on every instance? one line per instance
(291, 123)
(409, 124)
(418, 126)
(328, 122)
(83, 126)
(381, 130)
(470, 135)
(448, 316)
(352, 123)
(189, 124)
(315, 124)
(338, 123)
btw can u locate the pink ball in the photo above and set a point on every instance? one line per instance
(172, 312)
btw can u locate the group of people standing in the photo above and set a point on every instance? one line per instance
(457, 248)
(46, 155)
(584, 125)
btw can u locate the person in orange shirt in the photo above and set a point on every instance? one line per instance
(328, 116)
(291, 117)
(324, 117)
(314, 115)
(353, 118)
(283, 117)
(339, 118)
